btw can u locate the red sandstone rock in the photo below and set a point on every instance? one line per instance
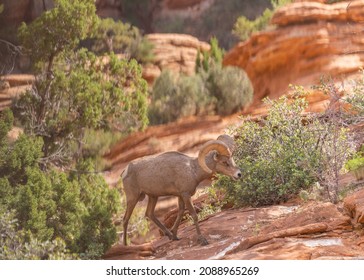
(175, 52)
(354, 204)
(311, 40)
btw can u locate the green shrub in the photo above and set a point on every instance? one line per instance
(355, 163)
(119, 37)
(15, 246)
(212, 90)
(74, 90)
(231, 89)
(77, 208)
(244, 27)
(285, 154)
(175, 97)
(270, 157)
(211, 58)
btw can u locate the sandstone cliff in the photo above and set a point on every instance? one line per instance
(311, 39)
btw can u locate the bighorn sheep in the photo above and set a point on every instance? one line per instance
(176, 174)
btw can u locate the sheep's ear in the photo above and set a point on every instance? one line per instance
(216, 156)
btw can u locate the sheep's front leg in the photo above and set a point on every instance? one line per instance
(181, 210)
(187, 200)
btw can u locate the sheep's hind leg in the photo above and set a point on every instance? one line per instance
(152, 201)
(130, 205)
(181, 210)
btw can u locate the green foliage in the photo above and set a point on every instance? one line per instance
(77, 208)
(279, 3)
(75, 90)
(230, 87)
(96, 143)
(213, 89)
(357, 161)
(15, 246)
(356, 98)
(220, 90)
(244, 27)
(118, 37)
(59, 29)
(271, 155)
(286, 153)
(209, 58)
(174, 97)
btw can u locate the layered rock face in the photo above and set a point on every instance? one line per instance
(175, 52)
(311, 39)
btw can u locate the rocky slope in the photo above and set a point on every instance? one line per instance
(311, 39)
(312, 230)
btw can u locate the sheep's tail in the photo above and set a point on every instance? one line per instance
(124, 173)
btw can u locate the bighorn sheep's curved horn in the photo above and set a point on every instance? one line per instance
(213, 145)
(229, 141)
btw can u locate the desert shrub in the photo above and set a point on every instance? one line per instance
(77, 208)
(208, 59)
(270, 156)
(286, 153)
(212, 90)
(244, 27)
(220, 91)
(119, 37)
(74, 90)
(356, 98)
(175, 97)
(230, 87)
(15, 246)
(356, 164)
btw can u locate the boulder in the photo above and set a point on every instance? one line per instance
(175, 52)
(354, 204)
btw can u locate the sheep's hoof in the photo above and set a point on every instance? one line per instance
(175, 237)
(202, 240)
